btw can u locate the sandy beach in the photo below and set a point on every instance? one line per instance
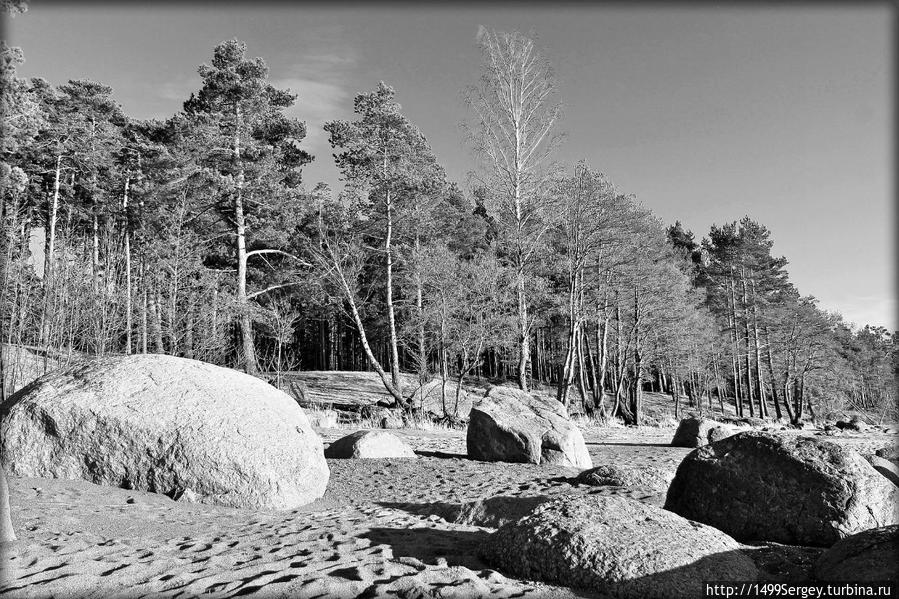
(385, 527)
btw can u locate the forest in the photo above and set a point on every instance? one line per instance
(197, 236)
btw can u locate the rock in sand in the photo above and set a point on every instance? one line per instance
(369, 444)
(619, 546)
(760, 486)
(698, 432)
(165, 424)
(650, 478)
(869, 556)
(509, 425)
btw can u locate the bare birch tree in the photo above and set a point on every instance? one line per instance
(515, 113)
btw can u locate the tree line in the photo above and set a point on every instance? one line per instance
(195, 236)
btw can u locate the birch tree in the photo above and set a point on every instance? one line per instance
(515, 112)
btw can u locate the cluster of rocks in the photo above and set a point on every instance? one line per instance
(193, 430)
(752, 486)
(741, 484)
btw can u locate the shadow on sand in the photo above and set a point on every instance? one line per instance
(458, 547)
(471, 549)
(600, 443)
(441, 454)
(491, 512)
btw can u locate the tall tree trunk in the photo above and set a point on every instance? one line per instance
(128, 292)
(596, 393)
(602, 366)
(718, 384)
(770, 363)
(51, 234)
(391, 316)
(49, 254)
(675, 392)
(567, 377)
(246, 325)
(523, 344)
(419, 310)
(749, 394)
(637, 397)
(394, 391)
(738, 399)
(190, 323)
(156, 309)
(763, 402)
(95, 253)
(143, 309)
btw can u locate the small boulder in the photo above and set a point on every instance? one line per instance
(6, 531)
(886, 467)
(891, 452)
(165, 424)
(868, 556)
(650, 478)
(617, 546)
(856, 425)
(509, 425)
(759, 486)
(369, 444)
(698, 432)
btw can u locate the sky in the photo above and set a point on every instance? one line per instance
(706, 113)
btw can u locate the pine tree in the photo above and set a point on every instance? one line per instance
(254, 147)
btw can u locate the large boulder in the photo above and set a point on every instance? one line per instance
(369, 444)
(508, 425)
(167, 425)
(647, 477)
(869, 556)
(792, 490)
(698, 432)
(6, 531)
(617, 546)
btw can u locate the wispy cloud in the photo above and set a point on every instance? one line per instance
(322, 83)
(317, 102)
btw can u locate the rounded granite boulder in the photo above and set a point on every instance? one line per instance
(166, 425)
